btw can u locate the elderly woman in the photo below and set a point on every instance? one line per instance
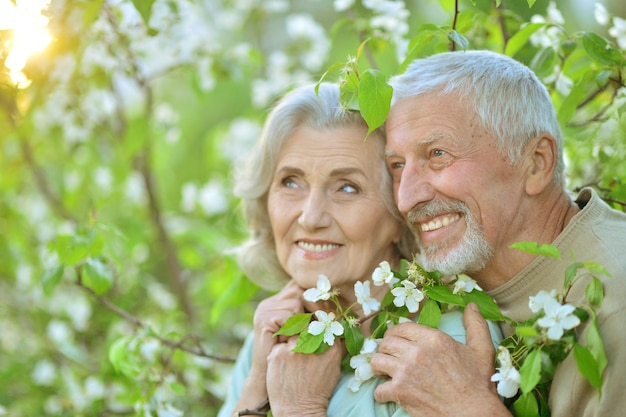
(318, 200)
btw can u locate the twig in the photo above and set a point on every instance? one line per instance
(456, 14)
(198, 351)
(174, 267)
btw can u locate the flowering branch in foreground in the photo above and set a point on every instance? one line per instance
(525, 362)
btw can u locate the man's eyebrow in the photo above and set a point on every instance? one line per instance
(435, 137)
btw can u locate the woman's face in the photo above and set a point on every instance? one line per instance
(326, 208)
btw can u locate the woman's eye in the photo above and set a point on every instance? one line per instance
(289, 182)
(348, 188)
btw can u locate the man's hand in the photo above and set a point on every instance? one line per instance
(431, 374)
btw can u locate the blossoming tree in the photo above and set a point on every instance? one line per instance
(117, 292)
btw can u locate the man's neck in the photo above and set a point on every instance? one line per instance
(544, 224)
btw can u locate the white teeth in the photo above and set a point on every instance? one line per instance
(434, 225)
(311, 247)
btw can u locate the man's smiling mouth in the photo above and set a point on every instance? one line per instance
(439, 223)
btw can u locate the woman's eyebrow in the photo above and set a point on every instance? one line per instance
(347, 171)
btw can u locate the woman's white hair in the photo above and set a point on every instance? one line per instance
(300, 107)
(507, 96)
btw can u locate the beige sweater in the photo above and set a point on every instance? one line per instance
(597, 233)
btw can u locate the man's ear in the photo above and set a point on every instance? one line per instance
(543, 157)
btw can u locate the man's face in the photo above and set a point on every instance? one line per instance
(457, 191)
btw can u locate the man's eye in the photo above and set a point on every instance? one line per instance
(396, 165)
(438, 152)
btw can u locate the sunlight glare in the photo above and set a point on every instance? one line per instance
(29, 33)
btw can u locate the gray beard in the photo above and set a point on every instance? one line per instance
(470, 255)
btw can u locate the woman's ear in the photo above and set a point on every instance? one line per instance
(543, 157)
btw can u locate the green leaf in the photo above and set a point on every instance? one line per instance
(526, 406)
(144, 7)
(308, 343)
(239, 291)
(526, 331)
(97, 276)
(458, 39)
(295, 324)
(544, 61)
(374, 98)
(443, 294)
(594, 292)
(601, 50)
(330, 69)
(521, 37)
(378, 327)
(122, 359)
(51, 278)
(577, 94)
(536, 249)
(429, 40)
(570, 273)
(354, 338)
(531, 3)
(603, 78)
(349, 91)
(588, 366)
(487, 305)
(596, 345)
(530, 371)
(596, 268)
(430, 314)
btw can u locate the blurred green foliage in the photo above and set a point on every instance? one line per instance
(119, 292)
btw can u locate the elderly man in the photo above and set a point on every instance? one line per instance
(475, 150)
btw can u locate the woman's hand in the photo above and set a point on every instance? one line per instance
(269, 316)
(301, 384)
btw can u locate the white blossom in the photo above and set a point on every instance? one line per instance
(383, 275)
(536, 303)
(618, 31)
(326, 324)
(362, 365)
(507, 376)
(558, 318)
(408, 295)
(44, 373)
(464, 283)
(548, 37)
(321, 292)
(600, 13)
(364, 297)
(343, 5)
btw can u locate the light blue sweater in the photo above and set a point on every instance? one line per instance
(343, 402)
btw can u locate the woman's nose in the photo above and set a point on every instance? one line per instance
(315, 213)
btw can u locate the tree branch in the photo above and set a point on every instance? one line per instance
(198, 350)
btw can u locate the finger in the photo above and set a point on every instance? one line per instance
(291, 290)
(384, 393)
(478, 335)
(409, 331)
(384, 365)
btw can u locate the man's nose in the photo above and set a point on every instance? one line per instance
(314, 214)
(414, 188)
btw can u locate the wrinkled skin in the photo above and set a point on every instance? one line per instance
(269, 316)
(302, 384)
(439, 370)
